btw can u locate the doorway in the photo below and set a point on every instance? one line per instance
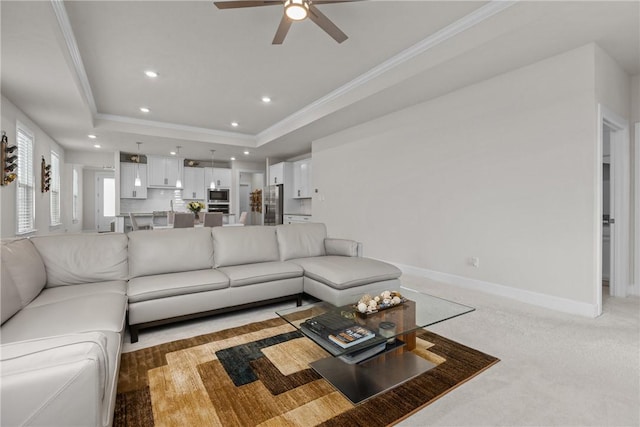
(248, 182)
(607, 219)
(105, 201)
(613, 206)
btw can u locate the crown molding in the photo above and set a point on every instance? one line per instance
(470, 20)
(74, 52)
(244, 138)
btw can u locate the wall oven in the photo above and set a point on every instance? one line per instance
(219, 195)
(218, 207)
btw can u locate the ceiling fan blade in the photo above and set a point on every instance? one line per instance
(242, 3)
(283, 29)
(333, 1)
(325, 23)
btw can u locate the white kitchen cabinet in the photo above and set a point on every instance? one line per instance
(221, 176)
(128, 190)
(302, 179)
(280, 173)
(297, 219)
(163, 171)
(193, 185)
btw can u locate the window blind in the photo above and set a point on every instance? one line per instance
(54, 200)
(25, 190)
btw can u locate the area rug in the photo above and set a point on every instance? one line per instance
(259, 375)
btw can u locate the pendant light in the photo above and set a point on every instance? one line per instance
(178, 181)
(212, 185)
(137, 181)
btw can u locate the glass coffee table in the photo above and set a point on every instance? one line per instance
(380, 358)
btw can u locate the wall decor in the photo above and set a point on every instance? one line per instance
(9, 161)
(45, 176)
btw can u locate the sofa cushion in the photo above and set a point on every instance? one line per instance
(172, 284)
(341, 247)
(301, 240)
(10, 302)
(169, 251)
(83, 258)
(244, 245)
(346, 272)
(97, 312)
(61, 293)
(249, 274)
(25, 266)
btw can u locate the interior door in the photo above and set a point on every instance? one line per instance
(105, 201)
(607, 221)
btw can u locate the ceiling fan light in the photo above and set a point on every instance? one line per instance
(296, 10)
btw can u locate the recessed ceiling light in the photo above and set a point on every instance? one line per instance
(144, 109)
(235, 124)
(96, 145)
(92, 136)
(233, 158)
(246, 153)
(173, 153)
(151, 73)
(266, 99)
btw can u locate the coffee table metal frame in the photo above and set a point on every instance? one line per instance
(391, 366)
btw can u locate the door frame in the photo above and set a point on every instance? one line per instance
(620, 190)
(636, 288)
(236, 188)
(98, 190)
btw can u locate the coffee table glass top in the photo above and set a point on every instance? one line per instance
(419, 311)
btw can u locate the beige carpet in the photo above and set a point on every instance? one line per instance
(258, 375)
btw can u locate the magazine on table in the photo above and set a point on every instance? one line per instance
(351, 336)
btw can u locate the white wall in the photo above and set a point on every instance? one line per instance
(502, 170)
(43, 145)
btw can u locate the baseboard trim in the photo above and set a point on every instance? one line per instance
(541, 300)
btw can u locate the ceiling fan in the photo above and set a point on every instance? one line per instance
(294, 10)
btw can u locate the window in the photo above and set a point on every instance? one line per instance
(75, 195)
(54, 199)
(25, 198)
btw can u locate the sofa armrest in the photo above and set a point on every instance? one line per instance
(54, 381)
(342, 247)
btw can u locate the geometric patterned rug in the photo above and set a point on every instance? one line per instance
(259, 375)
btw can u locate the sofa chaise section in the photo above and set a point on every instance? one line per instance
(334, 269)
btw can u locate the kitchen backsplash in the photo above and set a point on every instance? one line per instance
(158, 199)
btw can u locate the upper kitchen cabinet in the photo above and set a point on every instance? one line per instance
(280, 173)
(221, 176)
(302, 179)
(128, 189)
(163, 171)
(193, 184)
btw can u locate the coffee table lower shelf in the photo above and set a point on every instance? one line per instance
(359, 382)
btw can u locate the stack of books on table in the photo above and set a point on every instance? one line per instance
(350, 336)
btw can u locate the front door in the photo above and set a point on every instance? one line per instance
(105, 201)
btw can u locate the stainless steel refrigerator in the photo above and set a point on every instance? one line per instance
(273, 205)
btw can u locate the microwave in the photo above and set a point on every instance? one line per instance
(219, 195)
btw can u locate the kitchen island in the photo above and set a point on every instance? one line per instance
(122, 223)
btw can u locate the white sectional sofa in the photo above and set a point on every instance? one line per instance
(65, 298)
